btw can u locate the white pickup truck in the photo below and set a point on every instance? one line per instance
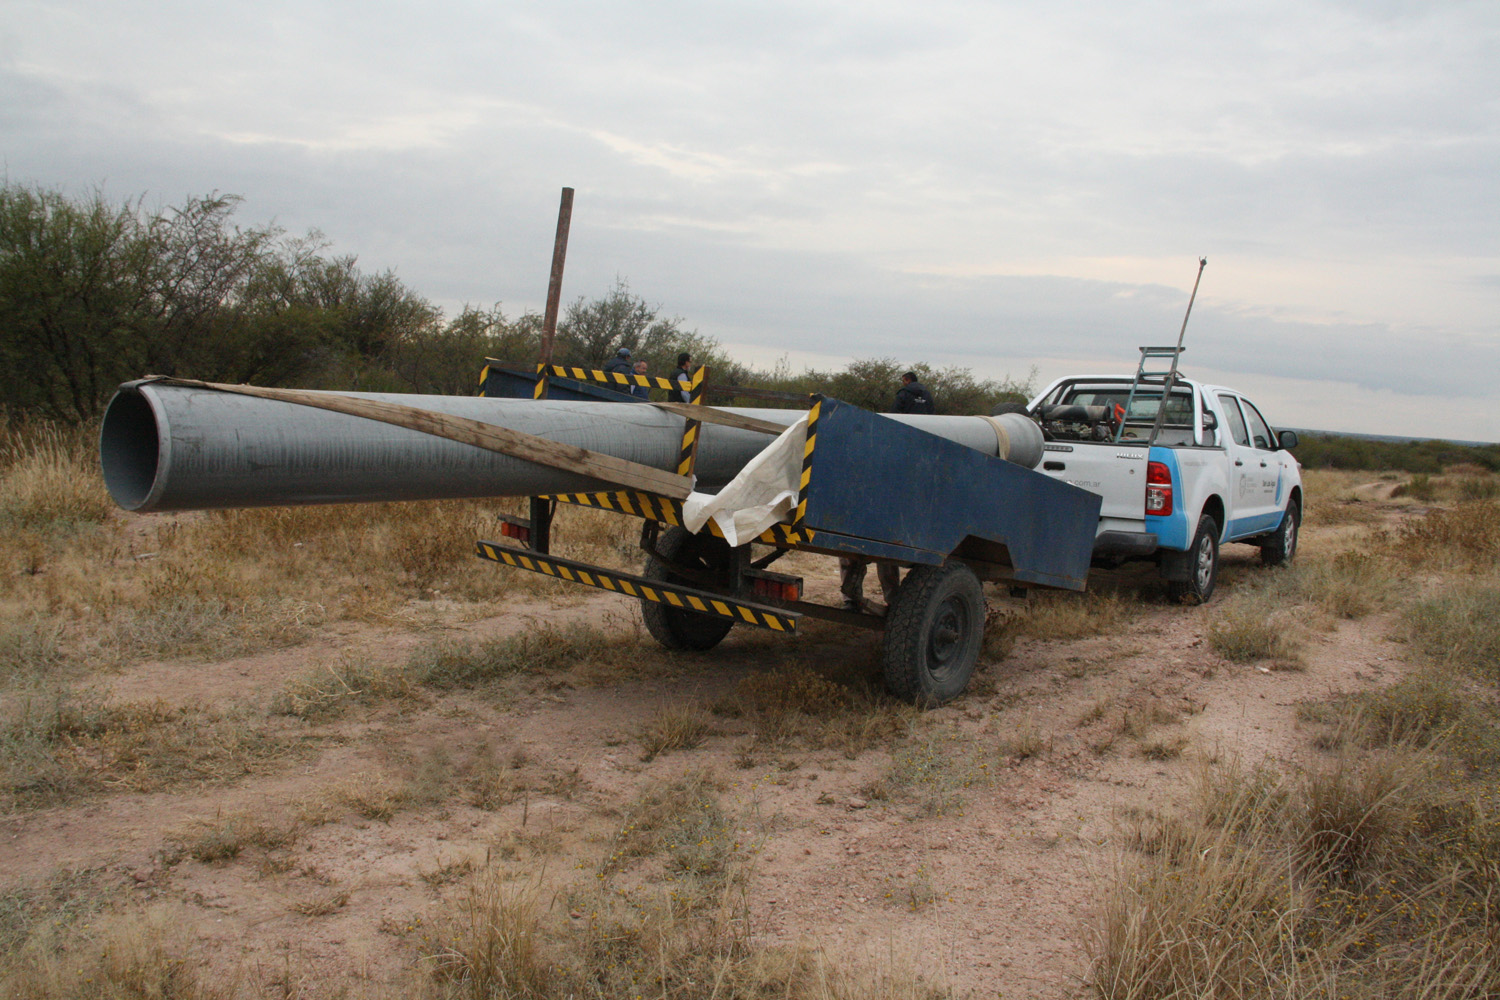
(1215, 472)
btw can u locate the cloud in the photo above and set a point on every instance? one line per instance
(971, 180)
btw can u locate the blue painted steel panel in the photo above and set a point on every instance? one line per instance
(503, 384)
(874, 478)
(1173, 530)
(873, 549)
(1244, 527)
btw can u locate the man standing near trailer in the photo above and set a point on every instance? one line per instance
(684, 375)
(643, 392)
(621, 363)
(913, 397)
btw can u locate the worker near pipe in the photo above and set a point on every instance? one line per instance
(684, 376)
(620, 364)
(913, 396)
(641, 391)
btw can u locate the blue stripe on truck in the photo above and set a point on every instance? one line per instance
(1244, 527)
(1171, 531)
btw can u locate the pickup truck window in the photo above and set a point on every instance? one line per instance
(1260, 431)
(1142, 407)
(1236, 422)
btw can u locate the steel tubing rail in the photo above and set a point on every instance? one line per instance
(166, 447)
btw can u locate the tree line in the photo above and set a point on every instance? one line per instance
(94, 293)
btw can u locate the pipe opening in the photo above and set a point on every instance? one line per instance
(129, 449)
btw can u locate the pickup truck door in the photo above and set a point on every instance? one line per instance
(1276, 469)
(1254, 470)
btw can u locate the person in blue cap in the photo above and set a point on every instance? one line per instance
(621, 364)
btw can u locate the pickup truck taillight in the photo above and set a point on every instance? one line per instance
(1158, 489)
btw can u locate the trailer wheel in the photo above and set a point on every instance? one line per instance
(934, 630)
(1203, 565)
(676, 628)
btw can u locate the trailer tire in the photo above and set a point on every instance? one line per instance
(1281, 546)
(1203, 565)
(676, 628)
(933, 634)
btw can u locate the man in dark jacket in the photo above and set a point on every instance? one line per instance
(684, 376)
(621, 363)
(913, 397)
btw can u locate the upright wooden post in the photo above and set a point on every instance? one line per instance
(554, 290)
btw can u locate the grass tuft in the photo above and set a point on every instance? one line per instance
(1459, 626)
(450, 663)
(674, 727)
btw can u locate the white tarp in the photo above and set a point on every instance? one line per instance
(763, 494)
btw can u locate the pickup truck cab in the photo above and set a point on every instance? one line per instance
(1210, 470)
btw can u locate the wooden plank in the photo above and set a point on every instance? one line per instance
(710, 415)
(503, 440)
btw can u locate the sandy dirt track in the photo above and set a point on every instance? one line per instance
(992, 893)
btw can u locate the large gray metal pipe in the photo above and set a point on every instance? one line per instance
(169, 447)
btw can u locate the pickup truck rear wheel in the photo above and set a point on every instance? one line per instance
(676, 628)
(933, 634)
(1279, 549)
(1203, 565)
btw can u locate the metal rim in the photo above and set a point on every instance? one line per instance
(1204, 571)
(946, 638)
(1289, 536)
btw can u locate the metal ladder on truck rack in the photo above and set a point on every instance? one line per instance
(1169, 377)
(1143, 376)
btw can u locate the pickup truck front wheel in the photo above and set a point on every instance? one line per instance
(1279, 549)
(933, 633)
(1202, 566)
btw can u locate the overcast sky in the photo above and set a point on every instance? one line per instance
(997, 185)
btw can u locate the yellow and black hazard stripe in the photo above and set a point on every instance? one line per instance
(687, 456)
(672, 594)
(607, 378)
(813, 412)
(647, 505)
(669, 511)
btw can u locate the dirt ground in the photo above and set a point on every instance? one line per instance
(991, 893)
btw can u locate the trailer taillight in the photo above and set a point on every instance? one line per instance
(776, 590)
(520, 532)
(1158, 489)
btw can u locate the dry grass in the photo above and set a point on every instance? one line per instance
(684, 934)
(545, 649)
(683, 819)
(1334, 496)
(331, 688)
(227, 583)
(56, 746)
(130, 955)
(1257, 624)
(793, 703)
(1373, 875)
(1460, 626)
(377, 796)
(1465, 538)
(1063, 615)
(1024, 741)
(50, 481)
(934, 771)
(674, 727)
(226, 838)
(511, 940)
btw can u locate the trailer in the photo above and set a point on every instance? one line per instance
(868, 490)
(721, 494)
